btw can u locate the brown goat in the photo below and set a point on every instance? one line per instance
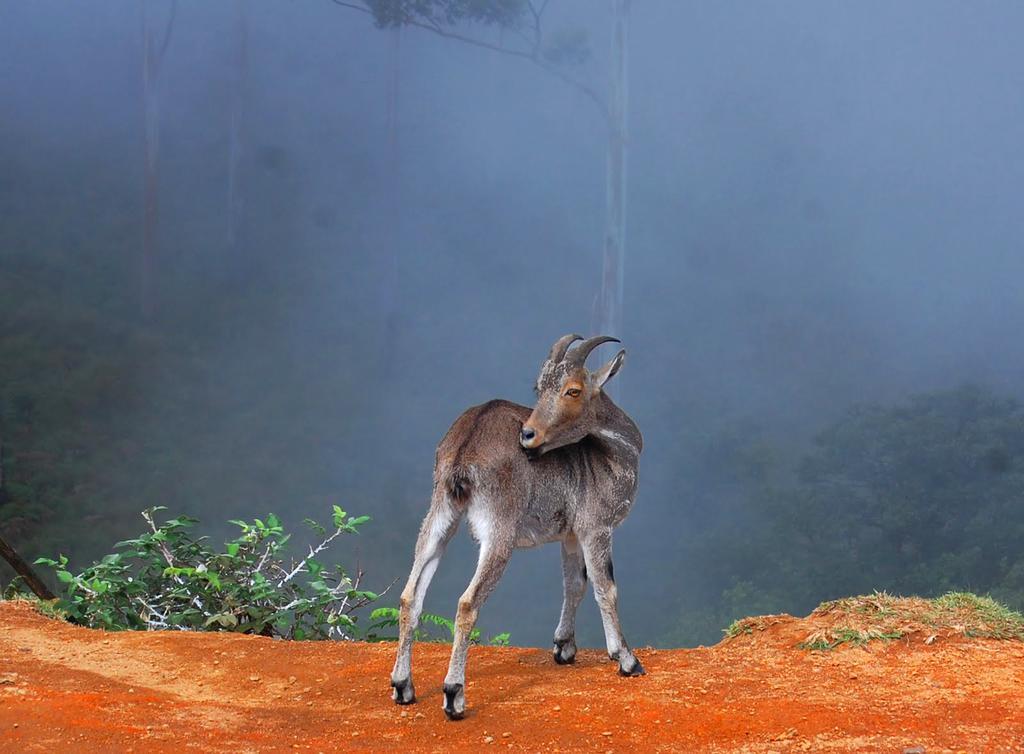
(563, 471)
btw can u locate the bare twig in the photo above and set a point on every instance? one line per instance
(312, 553)
(263, 560)
(162, 546)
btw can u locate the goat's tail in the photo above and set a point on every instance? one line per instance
(458, 483)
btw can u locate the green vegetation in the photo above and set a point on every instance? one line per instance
(922, 497)
(846, 635)
(738, 627)
(168, 579)
(858, 620)
(979, 616)
(883, 617)
(387, 617)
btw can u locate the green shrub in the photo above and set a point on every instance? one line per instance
(168, 579)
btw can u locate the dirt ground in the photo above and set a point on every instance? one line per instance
(68, 689)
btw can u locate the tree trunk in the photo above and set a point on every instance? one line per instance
(392, 209)
(236, 144)
(24, 570)
(151, 131)
(152, 59)
(609, 301)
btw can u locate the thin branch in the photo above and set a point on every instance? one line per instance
(586, 89)
(312, 552)
(355, 585)
(533, 56)
(263, 560)
(534, 42)
(162, 546)
(353, 6)
(536, 25)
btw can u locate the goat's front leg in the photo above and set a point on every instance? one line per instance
(597, 553)
(494, 557)
(574, 586)
(438, 527)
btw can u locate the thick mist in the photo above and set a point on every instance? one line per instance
(825, 209)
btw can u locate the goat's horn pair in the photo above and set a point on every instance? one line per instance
(561, 346)
(580, 353)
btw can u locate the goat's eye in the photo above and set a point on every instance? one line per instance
(573, 392)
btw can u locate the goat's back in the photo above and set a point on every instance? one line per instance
(481, 446)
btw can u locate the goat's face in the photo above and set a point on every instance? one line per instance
(566, 393)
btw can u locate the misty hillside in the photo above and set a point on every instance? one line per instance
(821, 293)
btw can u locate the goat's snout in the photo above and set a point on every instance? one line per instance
(528, 437)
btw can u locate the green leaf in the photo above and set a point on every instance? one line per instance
(225, 620)
(338, 516)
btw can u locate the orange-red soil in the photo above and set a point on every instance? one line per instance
(68, 689)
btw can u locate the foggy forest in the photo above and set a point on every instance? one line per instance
(257, 256)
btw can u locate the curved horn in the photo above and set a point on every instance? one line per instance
(579, 354)
(561, 346)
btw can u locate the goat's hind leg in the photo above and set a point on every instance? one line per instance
(438, 527)
(574, 586)
(494, 557)
(597, 551)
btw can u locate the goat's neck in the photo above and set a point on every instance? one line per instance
(614, 430)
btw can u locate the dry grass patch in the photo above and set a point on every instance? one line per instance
(858, 620)
(746, 626)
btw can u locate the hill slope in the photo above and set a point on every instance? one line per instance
(64, 688)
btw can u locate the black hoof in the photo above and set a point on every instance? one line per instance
(403, 692)
(633, 670)
(565, 651)
(454, 701)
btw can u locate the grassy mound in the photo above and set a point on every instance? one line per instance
(858, 620)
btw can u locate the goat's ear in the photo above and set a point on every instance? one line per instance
(608, 371)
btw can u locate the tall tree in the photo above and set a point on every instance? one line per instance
(236, 142)
(608, 317)
(525, 19)
(393, 205)
(155, 39)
